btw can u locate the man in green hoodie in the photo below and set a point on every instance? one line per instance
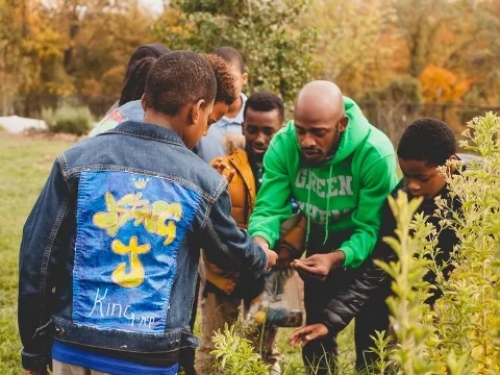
(340, 169)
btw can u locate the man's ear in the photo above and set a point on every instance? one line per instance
(343, 123)
(143, 103)
(195, 112)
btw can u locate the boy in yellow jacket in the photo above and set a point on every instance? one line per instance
(224, 291)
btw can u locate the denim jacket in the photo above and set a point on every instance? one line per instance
(110, 251)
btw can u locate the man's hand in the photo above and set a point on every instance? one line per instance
(36, 372)
(224, 169)
(306, 334)
(318, 266)
(272, 258)
(262, 242)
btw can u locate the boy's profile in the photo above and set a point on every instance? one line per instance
(211, 146)
(109, 254)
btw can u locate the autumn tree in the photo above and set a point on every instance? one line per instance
(440, 85)
(278, 50)
(354, 45)
(61, 48)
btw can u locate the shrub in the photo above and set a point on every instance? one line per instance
(235, 354)
(66, 119)
(461, 334)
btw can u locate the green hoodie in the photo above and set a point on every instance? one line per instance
(346, 192)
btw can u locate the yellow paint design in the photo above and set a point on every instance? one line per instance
(135, 276)
(158, 218)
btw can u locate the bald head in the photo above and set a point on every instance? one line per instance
(319, 119)
(320, 98)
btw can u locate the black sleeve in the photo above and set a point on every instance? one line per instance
(346, 304)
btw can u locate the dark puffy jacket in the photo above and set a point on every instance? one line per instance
(345, 305)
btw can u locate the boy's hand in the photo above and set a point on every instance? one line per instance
(306, 334)
(285, 255)
(224, 169)
(318, 266)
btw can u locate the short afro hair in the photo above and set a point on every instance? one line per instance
(232, 56)
(179, 78)
(428, 140)
(226, 91)
(264, 101)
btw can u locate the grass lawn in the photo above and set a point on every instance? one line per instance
(25, 165)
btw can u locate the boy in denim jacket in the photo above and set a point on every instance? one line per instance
(109, 254)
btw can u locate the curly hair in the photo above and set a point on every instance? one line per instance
(226, 92)
(264, 101)
(428, 140)
(232, 56)
(179, 78)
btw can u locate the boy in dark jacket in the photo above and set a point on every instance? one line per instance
(110, 252)
(425, 145)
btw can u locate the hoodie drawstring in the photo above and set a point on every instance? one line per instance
(308, 230)
(328, 205)
(308, 205)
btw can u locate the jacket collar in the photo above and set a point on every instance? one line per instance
(239, 159)
(147, 131)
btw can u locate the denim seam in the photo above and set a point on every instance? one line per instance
(218, 192)
(151, 138)
(99, 167)
(48, 251)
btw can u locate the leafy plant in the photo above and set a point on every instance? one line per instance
(460, 335)
(67, 119)
(235, 354)
(278, 49)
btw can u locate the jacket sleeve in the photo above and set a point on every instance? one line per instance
(44, 237)
(228, 246)
(377, 181)
(345, 305)
(273, 200)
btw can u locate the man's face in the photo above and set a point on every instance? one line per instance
(219, 111)
(318, 134)
(422, 179)
(259, 128)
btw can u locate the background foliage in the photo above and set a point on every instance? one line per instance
(449, 50)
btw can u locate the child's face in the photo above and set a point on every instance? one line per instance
(220, 109)
(422, 179)
(259, 128)
(199, 117)
(240, 78)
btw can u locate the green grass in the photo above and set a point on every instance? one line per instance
(25, 166)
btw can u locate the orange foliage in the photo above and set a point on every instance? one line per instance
(442, 86)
